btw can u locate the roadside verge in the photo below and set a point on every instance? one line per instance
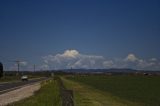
(18, 94)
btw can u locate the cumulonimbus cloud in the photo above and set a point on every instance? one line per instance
(74, 59)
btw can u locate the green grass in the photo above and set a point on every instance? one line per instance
(136, 89)
(48, 95)
(85, 95)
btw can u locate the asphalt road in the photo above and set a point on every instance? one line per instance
(5, 87)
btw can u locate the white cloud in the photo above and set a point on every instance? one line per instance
(108, 64)
(70, 54)
(139, 63)
(144, 64)
(44, 67)
(153, 59)
(74, 59)
(131, 58)
(23, 63)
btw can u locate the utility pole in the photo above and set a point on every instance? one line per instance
(18, 65)
(34, 67)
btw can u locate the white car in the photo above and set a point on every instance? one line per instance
(24, 78)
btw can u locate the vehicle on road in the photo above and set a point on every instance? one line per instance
(24, 78)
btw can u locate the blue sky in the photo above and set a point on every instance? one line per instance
(114, 29)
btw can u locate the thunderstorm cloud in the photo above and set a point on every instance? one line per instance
(75, 59)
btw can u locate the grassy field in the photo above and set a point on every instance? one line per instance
(88, 96)
(48, 95)
(127, 90)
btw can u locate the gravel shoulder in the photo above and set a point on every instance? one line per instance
(19, 94)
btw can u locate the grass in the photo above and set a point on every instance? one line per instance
(85, 95)
(48, 95)
(143, 90)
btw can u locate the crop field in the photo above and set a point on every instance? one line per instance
(143, 90)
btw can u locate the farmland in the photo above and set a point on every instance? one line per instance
(99, 90)
(125, 89)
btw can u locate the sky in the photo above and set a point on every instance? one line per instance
(60, 34)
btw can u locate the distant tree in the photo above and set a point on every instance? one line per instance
(1, 70)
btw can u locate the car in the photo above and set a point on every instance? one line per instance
(24, 78)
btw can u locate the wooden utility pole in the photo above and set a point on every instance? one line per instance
(34, 67)
(18, 66)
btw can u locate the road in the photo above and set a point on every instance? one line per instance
(5, 87)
